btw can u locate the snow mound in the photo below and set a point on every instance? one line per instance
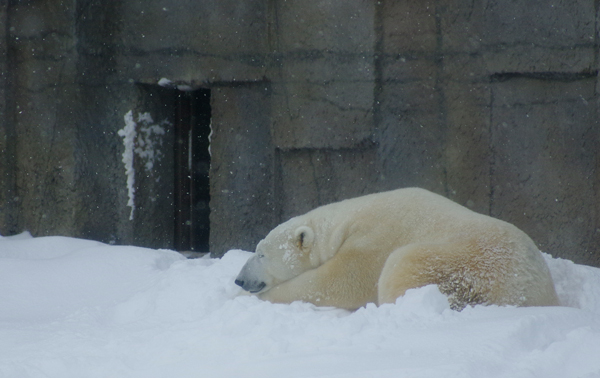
(78, 308)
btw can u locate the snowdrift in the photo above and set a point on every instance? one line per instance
(78, 308)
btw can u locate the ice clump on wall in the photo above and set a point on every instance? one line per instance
(144, 144)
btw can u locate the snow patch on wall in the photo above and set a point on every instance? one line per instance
(144, 140)
(164, 82)
(147, 146)
(128, 133)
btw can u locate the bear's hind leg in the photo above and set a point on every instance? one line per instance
(442, 264)
(401, 271)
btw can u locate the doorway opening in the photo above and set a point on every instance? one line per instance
(192, 165)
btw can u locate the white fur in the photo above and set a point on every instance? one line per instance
(374, 248)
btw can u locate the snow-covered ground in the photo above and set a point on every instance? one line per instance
(78, 308)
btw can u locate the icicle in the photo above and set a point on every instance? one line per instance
(129, 135)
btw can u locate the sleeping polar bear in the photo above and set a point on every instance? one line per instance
(374, 248)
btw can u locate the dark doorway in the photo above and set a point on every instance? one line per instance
(192, 164)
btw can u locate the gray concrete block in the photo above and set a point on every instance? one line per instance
(408, 68)
(491, 104)
(190, 69)
(333, 115)
(411, 98)
(218, 27)
(324, 26)
(316, 177)
(42, 19)
(409, 27)
(562, 23)
(467, 151)
(532, 58)
(7, 189)
(544, 165)
(550, 37)
(321, 67)
(242, 170)
(462, 26)
(45, 175)
(410, 152)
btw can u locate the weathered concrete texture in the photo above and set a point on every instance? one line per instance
(242, 183)
(445, 72)
(494, 105)
(467, 152)
(45, 176)
(6, 176)
(324, 25)
(410, 144)
(196, 42)
(7, 134)
(545, 144)
(102, 213)
(64, 135)
(42, 46)
(557, 36)
(323, 89)
(225, 26)
(322, 115)
(314, 177)
(410, 104)
(152, 224)
(409, 27)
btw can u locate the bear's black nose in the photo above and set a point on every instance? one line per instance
(251, 286)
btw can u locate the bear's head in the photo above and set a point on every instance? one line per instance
(283, 254)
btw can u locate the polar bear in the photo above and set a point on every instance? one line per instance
(374, 248)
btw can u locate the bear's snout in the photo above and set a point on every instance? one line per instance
(252, 287)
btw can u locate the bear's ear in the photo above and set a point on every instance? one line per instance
(304, 237)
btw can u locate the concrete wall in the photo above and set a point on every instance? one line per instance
(493, 105)
(6, 185)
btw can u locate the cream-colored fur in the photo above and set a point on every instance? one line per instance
(373, 248)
